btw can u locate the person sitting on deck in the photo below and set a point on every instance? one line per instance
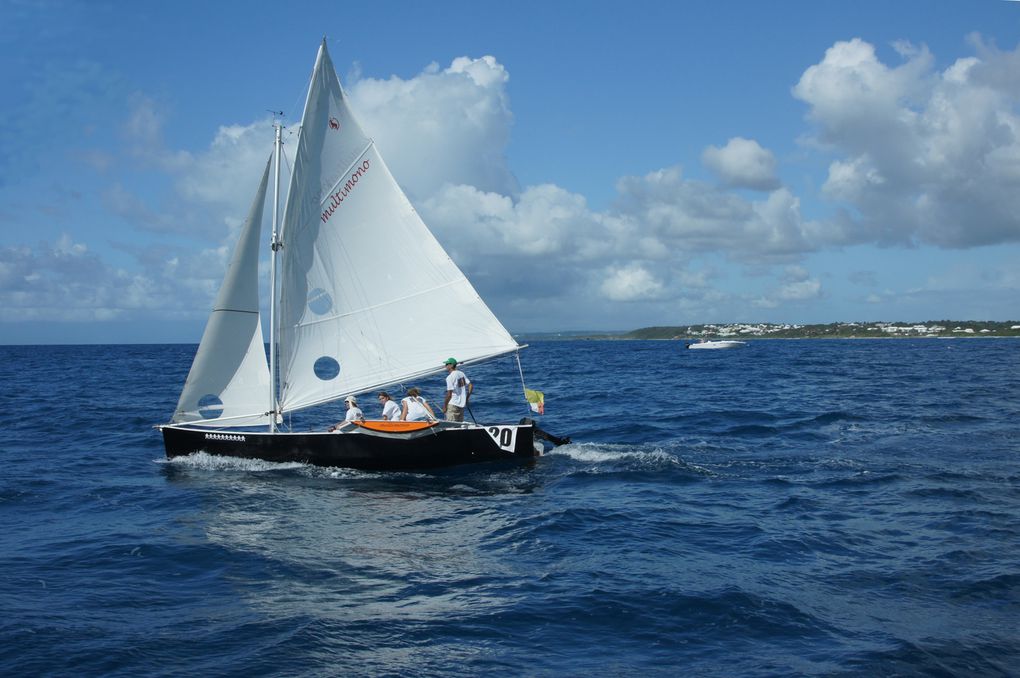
(390, 410)
(354, 413)
(415, 408)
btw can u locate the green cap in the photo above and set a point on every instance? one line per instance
(450, 361)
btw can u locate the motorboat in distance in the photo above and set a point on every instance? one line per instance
(717, 343)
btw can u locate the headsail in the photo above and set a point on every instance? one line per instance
(368, 296)
(228, 384)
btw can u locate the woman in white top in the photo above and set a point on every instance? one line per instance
(390, 410)
(354, 413)
(414, 407)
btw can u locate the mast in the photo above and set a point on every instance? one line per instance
(274, 245)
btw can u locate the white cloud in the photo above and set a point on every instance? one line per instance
(544, 221)
(631, 283)
(66, 247)
(66, 281)
(765, 302)
(447, 125)
(796, 285)
(925, 156)
(143, 133)
(801, 290)
(657, 225)
(226, 175)
(795, 274)
(743, 163)
(692, 216)
(60, 281)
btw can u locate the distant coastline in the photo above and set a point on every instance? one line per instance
(944, 329)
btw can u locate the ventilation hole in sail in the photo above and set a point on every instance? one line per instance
(319, 301)
(326, 368)
(210, 406)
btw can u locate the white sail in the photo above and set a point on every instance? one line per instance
(368, 296)
(228, 384)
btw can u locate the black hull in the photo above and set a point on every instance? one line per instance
(437, 447)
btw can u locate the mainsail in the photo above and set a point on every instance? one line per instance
(368, 297)
(228, 384)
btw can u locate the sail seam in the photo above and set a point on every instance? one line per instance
(417, 375)
(383, 304)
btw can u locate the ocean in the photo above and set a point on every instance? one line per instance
(798, 507)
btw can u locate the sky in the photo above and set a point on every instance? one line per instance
(590, 166)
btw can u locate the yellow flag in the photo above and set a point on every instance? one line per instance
(536, 399)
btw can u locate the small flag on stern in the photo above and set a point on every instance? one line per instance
(536, 399)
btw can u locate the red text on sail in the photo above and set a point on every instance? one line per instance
(335, 200)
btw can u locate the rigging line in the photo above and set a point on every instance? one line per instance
(234, 310)
(298, 103)
(286, 161)
(524, 389)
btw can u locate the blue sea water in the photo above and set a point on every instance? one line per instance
(788, 508)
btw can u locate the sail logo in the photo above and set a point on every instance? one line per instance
(337, 199)
(334, 123)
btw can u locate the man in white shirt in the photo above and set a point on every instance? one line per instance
(458, 391)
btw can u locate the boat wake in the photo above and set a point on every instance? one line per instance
(625, 458)
(203, 461)
(212, 462)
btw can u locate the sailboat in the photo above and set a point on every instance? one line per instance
(362, 296)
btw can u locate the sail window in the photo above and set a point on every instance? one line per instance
(326, 368)
(210, 406)
(319, 301)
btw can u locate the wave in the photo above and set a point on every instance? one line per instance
(935, 657)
